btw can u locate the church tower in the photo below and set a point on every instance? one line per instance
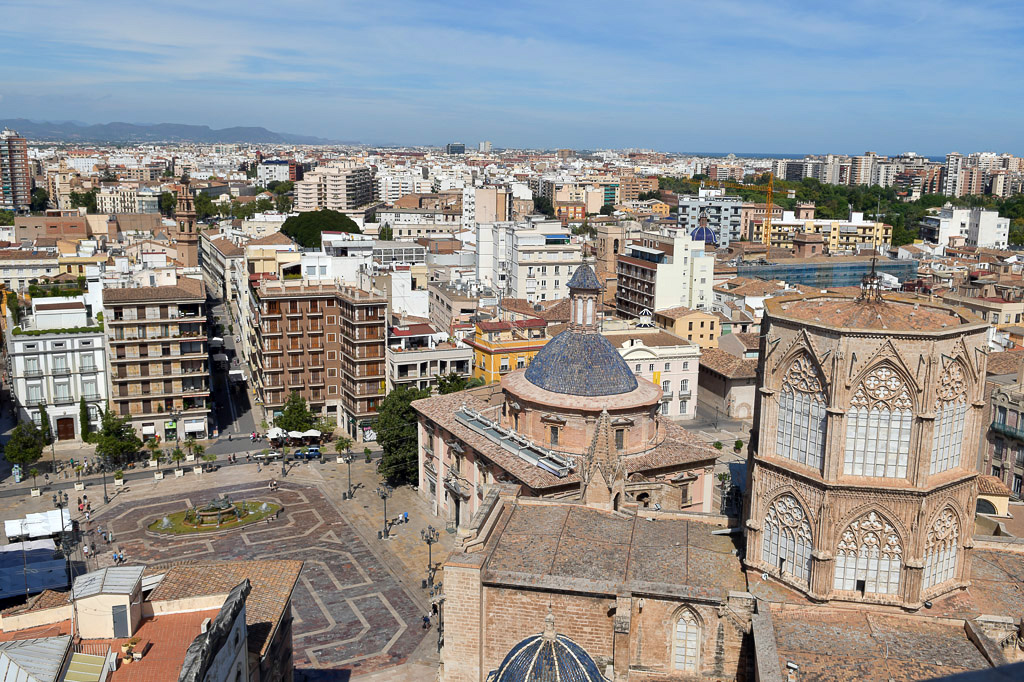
(184, 233)
(862, 476)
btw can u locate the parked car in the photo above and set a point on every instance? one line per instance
(267, 456)
(307, 453)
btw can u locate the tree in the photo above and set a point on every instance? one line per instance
(281, 186)
(45, 428)
(40, 199)
(168, 201)
(204, 206)
(86, 199)
(108, 176)
(6, 217)
(543, 205)
(396, 433)
(296, 415)
(190, 445)
(177, 454)
(154, 448)
(644, 196)
(33, 472)
(14, 305)
(168, 173)
(305, 228)
(282, 203)
(607, 209)
(116, 439)
(452, 383)
(207, 457)
(83, 420)
(343, 445)
(385, 233)
(25, 445)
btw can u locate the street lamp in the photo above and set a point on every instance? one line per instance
(348, 461)
(385, 491)
(103, 471)
(429, 535)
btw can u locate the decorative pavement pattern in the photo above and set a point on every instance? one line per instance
(351, 613)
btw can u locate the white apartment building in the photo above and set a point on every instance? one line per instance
(712, 216)
(273, 170)
(56, 356)
(117, 199)
(392, 186)
(532, 260)
(979, 227)
(339, 186)
(663, 358)
(663, 270)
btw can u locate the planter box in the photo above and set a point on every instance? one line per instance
(158, 475)
(197, 470)
(118, 482)
(178, 473)
(154, 463)
(79, 486)
(339, 459)
(190, 458)
(35, 492)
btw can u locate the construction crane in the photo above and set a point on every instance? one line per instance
(766, 226)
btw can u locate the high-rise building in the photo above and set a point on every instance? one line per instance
(952, 181)
(15, 179)
(338, 186)
(158, 356)
(663, 270)
(485, 147)
(712, 216)
(862, 476)
(455, 148)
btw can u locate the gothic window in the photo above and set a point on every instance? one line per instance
(940, 549)
(869, 557)
(950, 411)
(801, 432)
(786, 545)
(878, 426)
(686, 642)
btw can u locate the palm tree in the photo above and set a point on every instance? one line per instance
(154, 448)
(33, 472)
(190, 443)
(177, 455)
(343, 445)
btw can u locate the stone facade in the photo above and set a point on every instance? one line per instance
(862, 481)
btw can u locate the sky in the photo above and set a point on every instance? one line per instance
(723, 76)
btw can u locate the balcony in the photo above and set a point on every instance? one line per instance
(1008, 430)
(63, 400)
(684, 394)
(33, 372)
(60, 371)
(91, 397)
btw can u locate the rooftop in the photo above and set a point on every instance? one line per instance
(727, 364)
(110, 580)
(582, 364)
(893, 313)
(186, 288)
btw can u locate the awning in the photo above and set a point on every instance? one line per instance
(275, 433)
(39, 525)
(295, 434)
(312, 433)
(195, 427)
(148, 429)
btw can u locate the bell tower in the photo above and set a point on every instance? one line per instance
(184, 233)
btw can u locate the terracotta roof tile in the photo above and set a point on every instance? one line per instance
(728, 364)
(990, 485)
(186, 288)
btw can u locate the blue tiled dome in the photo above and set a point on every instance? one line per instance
(704, 234)
(542, 658)
(584, 278)
(580, 363)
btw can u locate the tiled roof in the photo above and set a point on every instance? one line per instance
(578, 548)
(413, 330)
(747, 286)
(272, 239)
(750, 341)
(584, 278)
(990, 485)
(848, 312)
(47, 599)
(1005, 362)
(580, 363)
(677, 312)
(272, 584)
(170, 634)
(186, 288)
(728, 364)
(227, 247)
(557, 311)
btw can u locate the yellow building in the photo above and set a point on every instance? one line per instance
(502, 347)
(838, 235)
(699, 326)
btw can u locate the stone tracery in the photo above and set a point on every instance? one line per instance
(801, 433)
(950, 414)
(787, 538)
(941, 546)
(878, 426)
(869, 556)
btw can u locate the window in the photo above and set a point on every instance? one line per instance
(801, 433)
(620, 438)
(686, 642)
(668, 366)
(950, 409)
(684, 385)
(682, 407)
(686, 364)
(869, 557)
(1001, 415)
(878, 426)
(651, 367)
(664, 408)
(520, 362)
(638, 368)
(666, 386)
(998, 449)
(940, 549)
(554, 436)
(35, 394)
(786, 541)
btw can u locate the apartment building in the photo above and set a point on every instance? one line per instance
(838, 236)
(118, 199)
(1003, 445)
(978, 227)
(15, 176)
(56, 357)
(712, 216)
(392, 186)
(54, 223)
(500, 347)
(158, 359)
(752, 214)
(18, 268)
(452, 305)
(220, 257)
(631, 187)
(322, 339)
(540, 264)
(418, 354)
(279, 170)
(701, 327)
(339, 186)
(663, 270)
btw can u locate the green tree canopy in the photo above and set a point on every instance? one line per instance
(385, 233)
(452, 383)
(543, 205)
(86, 199)
(25, 445)
(281, 186)
(116, 439)
(168, 200)
(204, 206)
(40, 199)
(45, 428)
(396, 433)
(6, 217)
(296, 415)
(305, 228)
(607, 209)
(83, 419)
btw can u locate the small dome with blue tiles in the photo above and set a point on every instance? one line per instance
(547, 657)
(704, 234)
(580, 361)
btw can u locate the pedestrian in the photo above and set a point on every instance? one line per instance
(426, 622)
(85, 551)
(79, 501)
(87, 515)
(259, 467)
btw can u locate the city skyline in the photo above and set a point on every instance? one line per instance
(744, 78)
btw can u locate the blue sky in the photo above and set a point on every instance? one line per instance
(747, 76)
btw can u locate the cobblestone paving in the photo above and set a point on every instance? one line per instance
(352, 616)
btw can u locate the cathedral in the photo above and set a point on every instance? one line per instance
(856, 555)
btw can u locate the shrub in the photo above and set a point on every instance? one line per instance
(718, 445)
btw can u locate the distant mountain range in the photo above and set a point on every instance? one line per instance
(69, 131)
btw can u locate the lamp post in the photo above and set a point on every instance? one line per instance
(103, 471)
(347, 457)
(385, 491)
(60, 502)
(429, 535)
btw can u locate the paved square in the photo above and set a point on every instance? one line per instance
(351, 612)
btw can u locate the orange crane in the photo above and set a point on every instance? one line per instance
(766, 227)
